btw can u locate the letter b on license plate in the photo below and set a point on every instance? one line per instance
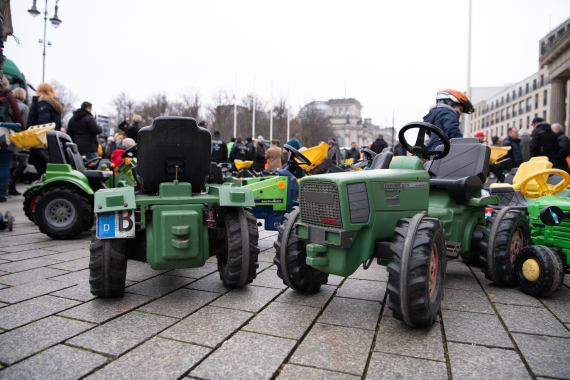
(116, 224)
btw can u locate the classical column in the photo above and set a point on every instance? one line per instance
(558, 102)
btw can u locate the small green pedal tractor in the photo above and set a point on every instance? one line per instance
(409, 217)
(180, 214)
(62, 204)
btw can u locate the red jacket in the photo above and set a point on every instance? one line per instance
(116, 156)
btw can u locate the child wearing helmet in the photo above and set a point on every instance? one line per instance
(445, 114)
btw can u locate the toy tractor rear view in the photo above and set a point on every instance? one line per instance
(408, 218)
(180, 213)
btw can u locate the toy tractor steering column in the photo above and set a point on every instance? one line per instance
(368, 155)
(129, 150)
(543, 187)
(419, 149)
(294, 166)
(93, 161)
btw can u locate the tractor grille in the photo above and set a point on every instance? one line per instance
(319, 204)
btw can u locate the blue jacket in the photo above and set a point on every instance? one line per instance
(445, 118)
(45, 110)
(515, 154)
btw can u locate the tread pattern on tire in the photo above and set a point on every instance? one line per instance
(502, 272)
(107, 266)
(429, 230)
(27, 204)
(551, 271)
(83, 214)
(230, 266)
(304, 277)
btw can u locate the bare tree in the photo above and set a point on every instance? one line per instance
(313, 128)
(156, 105)
(67, 97)
(189, 105)
(280, 120)
(123, 107)
(221, 114)
(245, 119)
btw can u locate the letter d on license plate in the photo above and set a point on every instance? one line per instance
(116, 224)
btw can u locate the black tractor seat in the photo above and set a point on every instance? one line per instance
(463, 171)
(382, 160)
(508, 197)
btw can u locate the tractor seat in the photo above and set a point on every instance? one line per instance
(463, 171)
(73, 157)
(382, 160)
(525, 169)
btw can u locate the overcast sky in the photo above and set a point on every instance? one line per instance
(386, 54)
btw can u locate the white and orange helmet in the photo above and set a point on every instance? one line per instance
(456, 97)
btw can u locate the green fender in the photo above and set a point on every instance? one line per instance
(66, 182)
(63, 175)
(32, 187)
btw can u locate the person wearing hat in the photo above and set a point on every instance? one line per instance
(260, 160)
(543, 141)
(219, 149)
(497, 141)
(83, 130)
(512, 140)
(481, 136)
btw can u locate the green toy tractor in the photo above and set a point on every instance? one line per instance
(62, 205)
(180, 213)
(407, 216)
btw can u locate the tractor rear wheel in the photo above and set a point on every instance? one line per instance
(62, 212)
(417, 270)
(30, 203)
(290, 258)
(506, 234)
(238, 263)
(107, 266)
(539, 271)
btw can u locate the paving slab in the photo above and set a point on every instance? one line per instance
(101, 310)
(265, 244)
(475, 328)
(20, 343)
(249, 298)
(79, 277)
(120, 335)
(155, 359)
(508, 296)
(335, 348)
(31, 275)
(25, 254)
(460, 277)
(546, 356)
(208, 326)
(476, 362)
(268, 278)
(70, 247)
(139, 271)
(464, 300)
(298, 372)
(284, 320)
(22, 265)
(362, 289)
(318, 299)
(194, 272)
(58, 363)
(531, 320)
(81, 292)
(31, 310)
(31, 290)
(335, 280)
(395, 337)
(264, 265)
(210, 283)
(180, 303)
(242, 357)
(70, 256)
(374, 273)
(159, 286)
(560, 308)
(266, 256)
(561, 294)
(73, 265)
(386, 366)
(350, 312)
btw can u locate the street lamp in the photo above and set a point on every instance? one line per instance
(55, 21)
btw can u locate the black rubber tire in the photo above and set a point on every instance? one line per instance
(107, 266)
(495, 256)
(302, 277)
(551, 275)
(471, 260)
(28, 204)
(410, 258)
(83, 212)
(230, 260)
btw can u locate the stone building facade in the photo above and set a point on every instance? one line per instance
(347, 123)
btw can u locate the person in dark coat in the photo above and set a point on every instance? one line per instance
(399, 150)
(132, 130)
(512, 140)
(219, 149)
(525, 144)
(239, 151)
(543, 141)
(250, 149)
(564, 147)
(379, 144)
(445, 114)
(353, 153)
(83, 130)
(334, 152)
(45, 108)
(260, 160)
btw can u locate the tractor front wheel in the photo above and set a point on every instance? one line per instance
(62, 212)
(506, 234)
(238, 263)
(30, 203)
(107, 266)
(291, 256)
(539, 271)
(417, 270)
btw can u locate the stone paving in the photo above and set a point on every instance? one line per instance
(185, 324)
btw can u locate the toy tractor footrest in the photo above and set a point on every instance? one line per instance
(508, 197)
(453, 249)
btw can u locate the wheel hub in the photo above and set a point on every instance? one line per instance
(60, 213)
(516, 245)
(531, 270)
(433, 262)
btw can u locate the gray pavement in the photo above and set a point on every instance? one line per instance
(185, 324)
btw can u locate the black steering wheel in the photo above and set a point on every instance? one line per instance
(226, 167)
(92, 161)
(420, 149)
(129, 150)
(296, 154)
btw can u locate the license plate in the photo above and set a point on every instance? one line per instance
(116, 224)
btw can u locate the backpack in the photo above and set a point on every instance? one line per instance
(6, 113)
